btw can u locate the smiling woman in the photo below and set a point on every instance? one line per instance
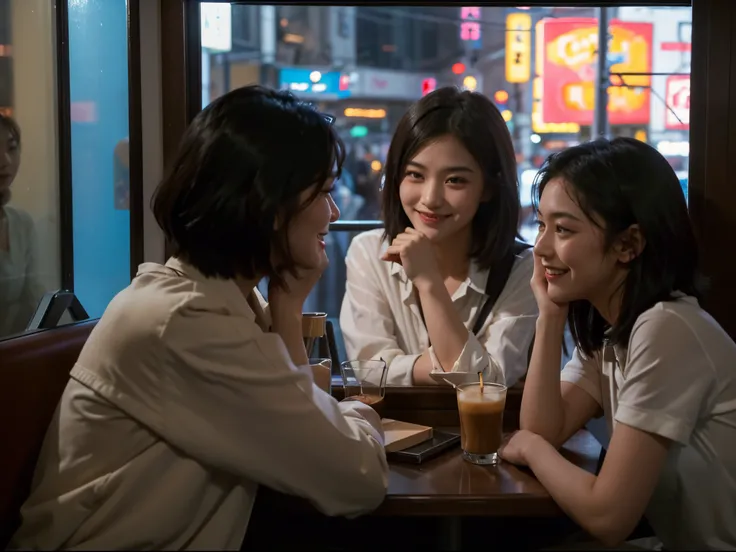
(616, 249)
(418, 295)
(188, 362)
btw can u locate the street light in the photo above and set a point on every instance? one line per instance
(470, 83)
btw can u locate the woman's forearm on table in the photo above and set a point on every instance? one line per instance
(542, 410)
(446, 330)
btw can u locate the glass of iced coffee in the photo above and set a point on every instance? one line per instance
(481, 421)
(365, 381)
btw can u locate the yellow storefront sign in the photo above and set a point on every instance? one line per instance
(518, 47)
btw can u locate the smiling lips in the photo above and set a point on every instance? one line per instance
(431, 218)
(554, 273)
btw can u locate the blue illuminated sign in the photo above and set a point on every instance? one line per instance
(313, 83)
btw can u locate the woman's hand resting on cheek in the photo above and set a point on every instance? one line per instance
(286, 304)
(547, 307)
(292, 296)
(414, 252)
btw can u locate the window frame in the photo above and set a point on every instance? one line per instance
(712, 196)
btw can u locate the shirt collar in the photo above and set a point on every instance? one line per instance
(226, 289)
(478, 278)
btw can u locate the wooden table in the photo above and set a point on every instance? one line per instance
(442, 495)
(450, 486)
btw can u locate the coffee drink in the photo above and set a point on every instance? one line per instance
(481, 421)
(374, 401)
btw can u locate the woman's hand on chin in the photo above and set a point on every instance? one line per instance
(414, 252)
(296, 289)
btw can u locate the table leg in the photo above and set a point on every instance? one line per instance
(451, 529)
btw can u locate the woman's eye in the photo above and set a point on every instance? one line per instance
(456, 180)
(562, 230)
(540, 225)
(414, 175)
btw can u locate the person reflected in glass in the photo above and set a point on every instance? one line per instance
(20, 288)
(415, 291)
(616, 256)
(192, 391)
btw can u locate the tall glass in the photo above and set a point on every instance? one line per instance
(481, 421)
(313, 328)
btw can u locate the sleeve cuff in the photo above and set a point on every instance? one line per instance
(657, 423)
(472, 357)
(364, 415)
(401, 370)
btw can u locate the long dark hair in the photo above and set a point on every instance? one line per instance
(618, 183)
(473, 120)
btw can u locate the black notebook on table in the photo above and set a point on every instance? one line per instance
(422, 452)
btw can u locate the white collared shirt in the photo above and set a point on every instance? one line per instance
(380, 316)
(676, 378)
(178, 407)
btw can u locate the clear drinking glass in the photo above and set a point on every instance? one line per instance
(481, 421)
(365, 381)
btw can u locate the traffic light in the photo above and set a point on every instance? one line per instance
(458, 68)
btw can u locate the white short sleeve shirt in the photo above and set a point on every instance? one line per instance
(381, 318)
(677, 379)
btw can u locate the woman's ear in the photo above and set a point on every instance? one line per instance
(630, 244)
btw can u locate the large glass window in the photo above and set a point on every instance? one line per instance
(367, 64)
(30, 261)
(98, 62)
(36, 242)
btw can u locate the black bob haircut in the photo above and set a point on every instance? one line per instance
(227, 201)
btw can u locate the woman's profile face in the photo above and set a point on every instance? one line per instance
(572, 249)
(310, 226)
(9, 161)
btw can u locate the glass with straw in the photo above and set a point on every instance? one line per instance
(481, 406)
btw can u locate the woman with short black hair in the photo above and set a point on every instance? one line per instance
(191, 391)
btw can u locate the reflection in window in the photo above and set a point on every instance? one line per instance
(368, 64)
(29, 226)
